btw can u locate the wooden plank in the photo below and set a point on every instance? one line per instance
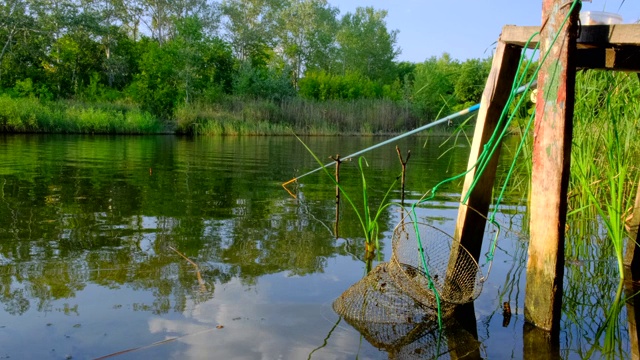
(619, 59)
(471, 217)
(550, 172)
(519, 35)
(632, 254)
(590, 36)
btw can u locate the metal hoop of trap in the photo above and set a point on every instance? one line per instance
(454, 272)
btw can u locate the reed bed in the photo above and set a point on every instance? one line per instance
(241, 116)
(604, 176)
(29, 115)
(605, 151)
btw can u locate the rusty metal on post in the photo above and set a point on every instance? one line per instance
(550, 172)
(403, 162)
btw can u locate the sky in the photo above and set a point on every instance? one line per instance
(465, 29)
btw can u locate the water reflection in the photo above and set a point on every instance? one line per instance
(95, 233)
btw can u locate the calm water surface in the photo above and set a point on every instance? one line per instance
(95, 233)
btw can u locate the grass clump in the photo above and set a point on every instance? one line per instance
(368, 220)
(604, 166)
(243, 116)
(30, 115)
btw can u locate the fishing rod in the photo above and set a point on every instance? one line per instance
(466, 111)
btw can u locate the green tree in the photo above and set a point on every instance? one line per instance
(201, 62)
(155, 87)
(366, 45)
(434, 86)
(249, 26)
(470, 81)
(262, 82)
(306, 36)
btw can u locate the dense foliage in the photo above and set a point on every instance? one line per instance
(162, 56)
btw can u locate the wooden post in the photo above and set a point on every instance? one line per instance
(632, 254)
(338, 162)
(465, 316)
(403, 162)
(550, 172)
(633, 314)
(472, 215)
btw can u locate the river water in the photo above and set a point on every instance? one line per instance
(171, 247)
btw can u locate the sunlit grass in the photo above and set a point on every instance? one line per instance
(367, 218)
(604, 148)
(29, 115)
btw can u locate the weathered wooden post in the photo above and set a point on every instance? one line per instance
(538, 344)
(465, 316)
(633, 316)
(632, 254)
(403, 162)
(471, 216)
(338, 162)
(551, 160)
(632, 274)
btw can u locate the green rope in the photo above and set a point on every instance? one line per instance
(491, 219)
(487, 153)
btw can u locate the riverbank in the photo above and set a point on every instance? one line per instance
(230, 116)
(30, 115)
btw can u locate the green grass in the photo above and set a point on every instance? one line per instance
(29, 115)
(241, 116)
(230, 115)
(604, 170)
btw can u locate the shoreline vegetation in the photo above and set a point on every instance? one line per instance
(232, 117)
(228, 67)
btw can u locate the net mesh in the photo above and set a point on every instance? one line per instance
(394, 300)
(454, 272)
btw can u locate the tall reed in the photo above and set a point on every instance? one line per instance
(302, 116)
(368, 220)
(603, 166)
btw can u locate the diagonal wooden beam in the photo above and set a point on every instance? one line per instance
(471, 216)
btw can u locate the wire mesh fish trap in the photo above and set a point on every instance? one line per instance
(453, 271)
(378, 298)
(393, 321)
(396, 296)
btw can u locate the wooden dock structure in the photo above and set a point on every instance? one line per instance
(610, 47)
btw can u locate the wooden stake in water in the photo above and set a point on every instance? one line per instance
(338, 162)
(404, 170)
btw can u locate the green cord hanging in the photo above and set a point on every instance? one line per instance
(488, 151)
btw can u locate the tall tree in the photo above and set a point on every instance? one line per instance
(306, 35)
(249, 27)
(470, 81)
(13, 21)
(161, 16)
(366, 45)
(434, 85)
